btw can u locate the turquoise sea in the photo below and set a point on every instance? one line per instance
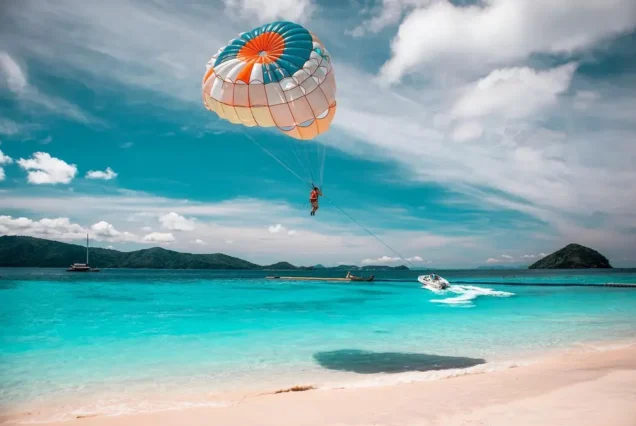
(124, 341)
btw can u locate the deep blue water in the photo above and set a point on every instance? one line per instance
(126, 340)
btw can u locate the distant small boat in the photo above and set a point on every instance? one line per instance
(349, 277)
(354, 278)
(82, 267)
(433, 282)
(371, 278)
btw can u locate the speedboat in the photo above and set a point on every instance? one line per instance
(433, 282)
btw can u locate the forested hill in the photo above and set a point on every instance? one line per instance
(19, 251)
(573, 256)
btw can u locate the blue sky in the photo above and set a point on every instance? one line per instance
(466, 134)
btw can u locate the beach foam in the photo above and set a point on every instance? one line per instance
(125, 403)
(104, 407)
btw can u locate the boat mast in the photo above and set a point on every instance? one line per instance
(86, 249)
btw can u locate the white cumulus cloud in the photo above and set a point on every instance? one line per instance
(534, 256)
(280, 229)
(275, 229)
(175, 222)
(159, 237)
(514, 92)
(505, 258)
(57, 228)
(387, 260)
(270, 10)
(107, 174)
(44, 169)
(61, 228)
(199, 242)
(500, 31)
(105, 231)
(4, 159)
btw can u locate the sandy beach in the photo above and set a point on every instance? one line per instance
(576, 387)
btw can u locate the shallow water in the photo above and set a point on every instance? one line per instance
(132, 340)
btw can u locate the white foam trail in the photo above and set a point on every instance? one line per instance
(466, 294)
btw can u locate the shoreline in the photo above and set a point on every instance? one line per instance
(542, 387)
(364, 268)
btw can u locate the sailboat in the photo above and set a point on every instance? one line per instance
(83, 267)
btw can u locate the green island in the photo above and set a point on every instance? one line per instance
(573, 256)
(21, 251)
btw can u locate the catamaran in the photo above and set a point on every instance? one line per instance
(82, 267)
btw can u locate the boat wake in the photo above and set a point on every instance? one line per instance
(464, 295)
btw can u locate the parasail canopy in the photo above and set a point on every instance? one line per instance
(277, 75)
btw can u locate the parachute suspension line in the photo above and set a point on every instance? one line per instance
(319, 164)
(307, 166)
(311, 173)
(327, 198)
(295, 150)
(369, 232)
(322, 164)
(275, 158)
